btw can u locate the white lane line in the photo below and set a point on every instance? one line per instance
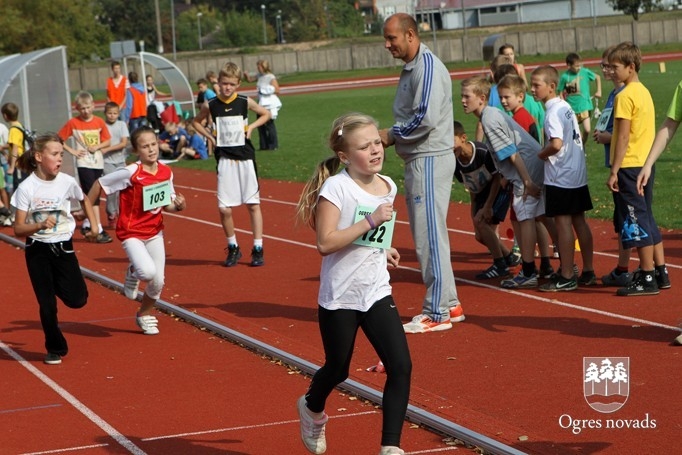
(473, 283)
(456, 231)
(87, 412)
(251, 427)
(68, 449)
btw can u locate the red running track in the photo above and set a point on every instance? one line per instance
(510, 371)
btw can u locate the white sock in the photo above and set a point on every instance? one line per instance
(232, 240)
(258, 243)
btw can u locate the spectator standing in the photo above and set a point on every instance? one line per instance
(117, 86)
(268, 91)
(136, 103)
(237, 178)
(423, 137)
(90, 135)
(574, 87)
(634, 129)
(567, 196)
(114, 154)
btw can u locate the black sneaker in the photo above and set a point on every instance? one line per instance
(546, 271)
(560, 284)
(85, 230)
(662, 278)
(587, 278)
(5, 212)
(233, 255)
(512, 259)
(257, 256)
(494, 271)
(52, 359)
(103, 237)
(642, 283)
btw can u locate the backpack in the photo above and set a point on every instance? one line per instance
(29, 137)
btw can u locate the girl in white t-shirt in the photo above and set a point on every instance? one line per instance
(43, 216)
(352, 214)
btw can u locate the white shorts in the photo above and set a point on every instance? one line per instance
(237, 183)
(529, 209)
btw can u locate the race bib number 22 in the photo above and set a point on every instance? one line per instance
(379, 237)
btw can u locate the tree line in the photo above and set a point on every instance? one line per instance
(87, 27)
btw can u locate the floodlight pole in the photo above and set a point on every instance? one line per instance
(199, 14)
(159, 37)
(265, 34)
(172, 7)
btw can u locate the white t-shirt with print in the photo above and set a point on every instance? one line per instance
(354, 277)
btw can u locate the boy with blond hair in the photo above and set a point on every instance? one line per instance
(90, 136)
(634, 129)
(237, 179)
(567, 196)
(515, 155)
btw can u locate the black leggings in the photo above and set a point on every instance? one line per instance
(54, 272)
(384, 330)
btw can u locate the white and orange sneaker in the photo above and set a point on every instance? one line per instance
(456, 313)
(423, 323)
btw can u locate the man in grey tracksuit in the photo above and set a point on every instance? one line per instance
(424, 138)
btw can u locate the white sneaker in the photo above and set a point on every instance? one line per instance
(391, 450)
(678, 341)
(131, 284)
(312, 431)
(423, 323)
(148, 324)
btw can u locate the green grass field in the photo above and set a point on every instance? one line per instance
(305, 120)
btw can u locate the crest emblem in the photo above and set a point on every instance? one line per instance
(606, 383)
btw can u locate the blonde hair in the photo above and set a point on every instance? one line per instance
(230, 69)
(265, 65)
(83, 97)
(342, 128)
(479, 84)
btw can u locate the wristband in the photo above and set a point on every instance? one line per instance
(369, 219)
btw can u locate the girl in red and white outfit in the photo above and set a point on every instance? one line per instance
(146, 189)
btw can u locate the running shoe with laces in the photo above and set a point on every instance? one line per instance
(617, 279)
(257, 256)
(148, 324)
(662, 278)
(587, 278)
(423, 323)
(130, 284)
(233, 255)
(457, 313)
(559, 284)
(642, 284)
(312, 431)
(494, 271)
(52, 359)
(520, 281)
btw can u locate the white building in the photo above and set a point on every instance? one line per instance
(456, 14)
